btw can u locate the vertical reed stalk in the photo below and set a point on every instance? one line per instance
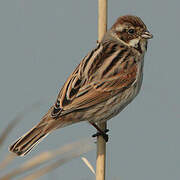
(101, 144)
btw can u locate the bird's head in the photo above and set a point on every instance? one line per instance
(131, 31)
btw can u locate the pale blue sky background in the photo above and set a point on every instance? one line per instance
(42, 41)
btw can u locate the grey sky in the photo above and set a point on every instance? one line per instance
(42, 41)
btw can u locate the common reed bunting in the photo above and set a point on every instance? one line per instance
(101, 86)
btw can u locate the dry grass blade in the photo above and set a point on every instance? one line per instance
(88, 164)
(9, 157)
(55, 165)
(9, 128)
(14, 122)
(38, 160)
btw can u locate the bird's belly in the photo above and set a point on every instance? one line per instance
(114, 105)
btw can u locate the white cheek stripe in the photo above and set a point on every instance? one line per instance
(119, 28)
(134, 42)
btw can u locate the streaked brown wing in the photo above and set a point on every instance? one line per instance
(82, 91)
(98, 92)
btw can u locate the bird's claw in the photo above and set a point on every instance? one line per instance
(103, 134)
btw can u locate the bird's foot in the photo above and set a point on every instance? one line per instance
(103, 134)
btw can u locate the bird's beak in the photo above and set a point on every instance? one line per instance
(147, 35)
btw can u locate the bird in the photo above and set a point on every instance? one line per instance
(106, 80)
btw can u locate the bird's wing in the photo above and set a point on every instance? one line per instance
(98, 77)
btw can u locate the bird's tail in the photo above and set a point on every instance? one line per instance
(33, 137)
(25, 143)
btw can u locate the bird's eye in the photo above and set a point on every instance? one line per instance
(131, 31)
